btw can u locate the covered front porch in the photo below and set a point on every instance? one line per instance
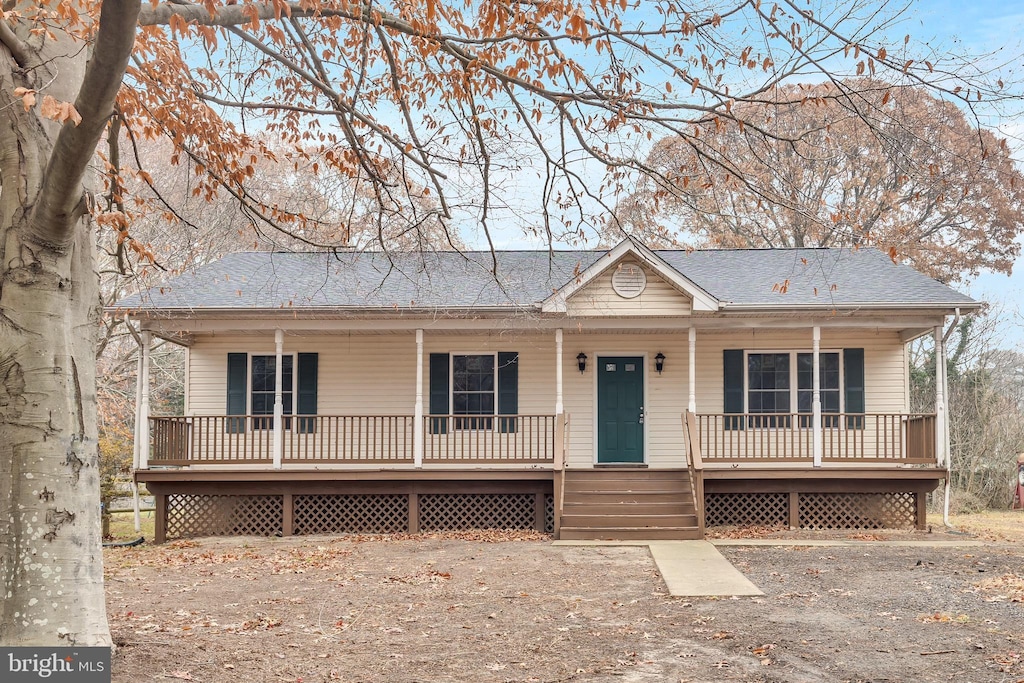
(817, 411)
(258, 472)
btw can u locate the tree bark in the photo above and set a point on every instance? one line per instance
(51, 563)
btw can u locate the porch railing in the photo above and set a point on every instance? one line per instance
(348, 438)
(351, 439)
(846, 437)
(489, 439)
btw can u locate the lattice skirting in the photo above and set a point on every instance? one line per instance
(891, 510)
(210, 515)
(351, 513)
(746, 509)
(263, 515)
(896, 510)
(456, 511)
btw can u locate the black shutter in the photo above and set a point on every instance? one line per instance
(307, 380)
(439, 392)
(853, 375)
(238, 368)
(732, 384)
(508, 390)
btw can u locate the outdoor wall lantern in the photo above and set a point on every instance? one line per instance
(581, 360)
(659, 362)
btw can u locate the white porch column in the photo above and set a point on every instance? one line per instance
(816, 396)
(278, 400)
(692, 403)
(417, 419)
(136, 507)
(559, 404)
(941, 444)
(143, 411)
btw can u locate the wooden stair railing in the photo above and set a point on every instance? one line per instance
(561, 448)
(695, 463)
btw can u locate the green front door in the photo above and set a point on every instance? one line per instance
(620, 409)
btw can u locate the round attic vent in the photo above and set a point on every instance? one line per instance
(629, 280)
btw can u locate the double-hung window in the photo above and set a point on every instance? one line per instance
(264, 373)
(473, 390)
(768, 387)
(829, 389)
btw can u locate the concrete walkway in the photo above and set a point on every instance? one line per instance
(690, 568)
(697, 569)
(786, 542)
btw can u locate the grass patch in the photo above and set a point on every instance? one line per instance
(991, 525)
(122, 526)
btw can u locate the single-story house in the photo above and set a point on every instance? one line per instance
(621, 393)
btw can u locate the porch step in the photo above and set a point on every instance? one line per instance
(640, 506)
(666, 495)
(630, 534)
(628, 504)
(622, 521)
(614, 485)
(638, 476)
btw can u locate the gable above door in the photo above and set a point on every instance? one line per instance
(630, 280)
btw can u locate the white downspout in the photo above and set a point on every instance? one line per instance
(278, 400)
(417, 419)
(136, 505)
(945, 422)
(941, 450)
(816, 397)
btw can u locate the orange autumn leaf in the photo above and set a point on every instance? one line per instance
(62, 112)
(28, 97)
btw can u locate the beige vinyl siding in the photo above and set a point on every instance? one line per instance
(358, 374)
(885, 376)
(598, 298)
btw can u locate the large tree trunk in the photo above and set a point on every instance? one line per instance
(51, 564)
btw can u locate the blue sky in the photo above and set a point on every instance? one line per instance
(984, 26)
(989, 28)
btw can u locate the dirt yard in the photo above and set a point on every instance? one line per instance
(513, 607)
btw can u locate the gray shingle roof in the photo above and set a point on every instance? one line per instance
(450, 280)
(834, 277)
